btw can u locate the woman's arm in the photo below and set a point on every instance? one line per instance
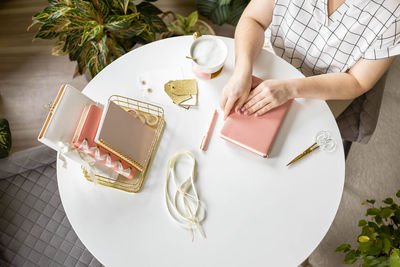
(249, 39)
(359, 79)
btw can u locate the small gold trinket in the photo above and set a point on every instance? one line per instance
(196, 35)
(181, 91)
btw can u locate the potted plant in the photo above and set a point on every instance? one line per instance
(222, 11)
(5, 138)
(379, 240)
(179, 25)
(95, 32)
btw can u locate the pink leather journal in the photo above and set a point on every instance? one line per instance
(84, 140)
(255, 134)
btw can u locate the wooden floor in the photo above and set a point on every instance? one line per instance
(30, 77)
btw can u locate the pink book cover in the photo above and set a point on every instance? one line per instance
(255, 134)
(88, 131)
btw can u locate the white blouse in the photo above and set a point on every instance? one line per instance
(302, 33)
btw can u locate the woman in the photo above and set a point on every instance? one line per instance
(342, 47)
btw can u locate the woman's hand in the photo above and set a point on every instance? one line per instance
(266, 95)
(235, 93)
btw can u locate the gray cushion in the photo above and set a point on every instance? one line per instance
(34, 230)
(358, 121)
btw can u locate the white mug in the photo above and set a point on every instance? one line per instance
(209, 54)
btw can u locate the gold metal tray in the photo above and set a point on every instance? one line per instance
(135, 184)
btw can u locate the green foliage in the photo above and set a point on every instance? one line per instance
(184, 25)
(5, 138)
(222, 11)
(379, 240)
(96, 32)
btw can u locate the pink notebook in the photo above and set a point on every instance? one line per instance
(84, 140)
(255, 134)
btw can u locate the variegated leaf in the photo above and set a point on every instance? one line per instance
(87, 9)
(81, 60)
(91, 31)
(48, 31)
(95, 64)
(61, 2)
(132, 7)
(50, 13)
(130, 32)
(147, 37)
(116, 7)
(148, 9)
(156, 24)
(76, 16)
(91, 52)
(119, 22)
(5, 138)
(116, 49)
(72, 44)
(103, 50)
(124, 5)
(101, 7)
(73, 27)
(58, 49)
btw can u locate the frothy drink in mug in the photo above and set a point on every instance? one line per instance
(210, 54)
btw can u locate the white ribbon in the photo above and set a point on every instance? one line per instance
(149, 118)
(187, 214)
(88, 161)
(116, 165)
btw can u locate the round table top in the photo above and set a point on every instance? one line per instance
(259, 212)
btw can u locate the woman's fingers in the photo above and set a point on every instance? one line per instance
(235, 93)
(254, 92)
(240, 103)
(265, 109)
(266, 96)
(257, 105)
(253, 100)
(230, 102)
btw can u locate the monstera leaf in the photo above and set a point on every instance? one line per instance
(5, 138)
(222, 11)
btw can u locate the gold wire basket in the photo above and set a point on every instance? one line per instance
(135, 184)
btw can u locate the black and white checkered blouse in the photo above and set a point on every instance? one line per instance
(302, 33)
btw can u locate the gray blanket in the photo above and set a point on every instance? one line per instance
(34, 230)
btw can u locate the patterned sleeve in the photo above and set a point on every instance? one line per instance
(385, 45)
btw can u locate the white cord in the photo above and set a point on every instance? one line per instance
(192, 214)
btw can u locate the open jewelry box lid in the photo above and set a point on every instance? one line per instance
(61, 122)
(63, 117)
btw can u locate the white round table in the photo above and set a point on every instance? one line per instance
(259, 212)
